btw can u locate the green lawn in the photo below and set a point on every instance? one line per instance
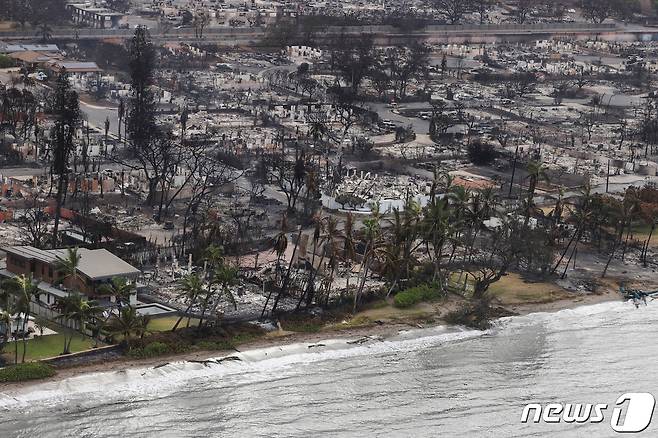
(512, 289)
(167, 323)
(48, 346)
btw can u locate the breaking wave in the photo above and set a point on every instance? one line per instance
(256, 365)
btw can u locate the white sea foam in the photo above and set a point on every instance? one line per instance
(262, 363)
(257, 363)
(421, 382)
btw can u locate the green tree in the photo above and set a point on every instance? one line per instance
(67, 266)
(66, 109)
(151, 147)
(24, 289)
(120, 288)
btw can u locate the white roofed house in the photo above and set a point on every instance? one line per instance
(76, 70)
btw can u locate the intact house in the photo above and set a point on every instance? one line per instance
(77, 71)
(96, 268)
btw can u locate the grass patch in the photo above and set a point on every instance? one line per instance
(512, 289)
(168, 322)
(380, 304)
(359, 321)
(383, 312)
(412, 296)
(26, 371)
(301, 326)
(227, 344)
(42, 347)
(153, 349)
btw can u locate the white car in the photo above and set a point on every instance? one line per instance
(40, 76)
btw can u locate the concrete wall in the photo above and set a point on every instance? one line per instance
(85, 357)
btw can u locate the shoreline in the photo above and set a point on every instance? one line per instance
(280, 338)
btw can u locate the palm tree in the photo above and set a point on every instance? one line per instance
(127, 324)
(349, 249)
(25, 289)
(629, 207)
(219, 279)
(318, 129)
(280, 245)
(91, 313)
(645, 246)
(9, 288)
(437, 229)
(213, 255)
(458, 199)
(372, 228)
(286, 280)
(5, 323)
(318, 228)
(399, 249)
(142, 328)
(69, 308)
(192, 286)
(330, 240)
(223, 277)
(68, 266)
(583, 215)
(536, 173)
(120, 288)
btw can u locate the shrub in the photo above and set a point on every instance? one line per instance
(26, 371)
(481, 153)
(6, 62)
(153, 349)
(304, 326)
(349, 199)
(476, 314)
(412, 296)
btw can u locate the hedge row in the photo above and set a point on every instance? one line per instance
(26, 371)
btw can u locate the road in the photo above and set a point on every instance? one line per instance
(237, 36)
(96, 115)
(420, 126)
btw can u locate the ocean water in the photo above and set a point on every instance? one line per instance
(423, 383)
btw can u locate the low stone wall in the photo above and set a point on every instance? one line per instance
(85, 357)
